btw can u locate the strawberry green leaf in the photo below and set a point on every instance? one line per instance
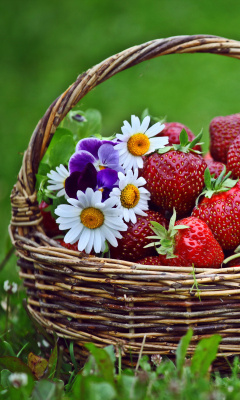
(172, 220)
(207, 177)
(165, 239)
(165, 149)
(183, 137)
(221, 184)
(159, 229)
(195, 141)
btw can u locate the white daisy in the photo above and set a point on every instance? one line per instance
(57, 180)
(131, 199)
(137, 140)
(91, 221)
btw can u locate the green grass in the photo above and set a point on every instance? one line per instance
(49, 376)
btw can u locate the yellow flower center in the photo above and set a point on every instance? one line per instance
(130, 196)
(138, 144)
(92, 218)
(101, 167)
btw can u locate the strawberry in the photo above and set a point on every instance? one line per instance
(187, 242)
(131, 246)
(173, 130)
(175, 177)
(220, 209)
(49, 224)
(73, 246)
(215, 167)
(158, 260)
(68, 246)
(233, 158)
(223, 131)
(208, 156)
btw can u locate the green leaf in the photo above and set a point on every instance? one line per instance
(183, 137)
(126, 387)
(96, 388)
(62, 151)
(181, 351)
(205, 354)
(92, 124)
(196, 141)
(14, 364)
(158, 229)
(145, 113)
(43, 169)
(207, 177)
(103, 360)
(4, 378)
(72, 355)
(110, 350)
(7, 348)
(52, 362)
(172, 220)
(46, 390)
(58, 135)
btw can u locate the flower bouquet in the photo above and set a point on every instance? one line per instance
(100, 184)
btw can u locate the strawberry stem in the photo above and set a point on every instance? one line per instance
(185, 145)
(216, 185)
(165, 243)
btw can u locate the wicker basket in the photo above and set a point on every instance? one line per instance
(131, 306)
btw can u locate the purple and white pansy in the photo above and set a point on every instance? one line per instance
(100, 153)
(102, 187)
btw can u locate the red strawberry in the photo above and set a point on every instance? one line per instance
(233, 158)
(49, 224)
(223, 131)
(131, 246)
(175, 178)
(68, 246)
(187, 242)
(220, 209)
(207, 156)
(173, 130)
(215, 167)
(157, 260)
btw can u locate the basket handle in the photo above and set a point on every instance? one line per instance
(99, 73)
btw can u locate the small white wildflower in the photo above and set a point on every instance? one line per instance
(6, 286)
(18, 379)
(10, 287)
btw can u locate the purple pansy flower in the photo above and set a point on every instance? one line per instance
(100, 153)
(103, 180)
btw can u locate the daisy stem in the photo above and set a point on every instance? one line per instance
(7, 314)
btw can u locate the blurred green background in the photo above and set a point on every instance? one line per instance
(45, 45)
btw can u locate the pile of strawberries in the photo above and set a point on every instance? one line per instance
(194, 212)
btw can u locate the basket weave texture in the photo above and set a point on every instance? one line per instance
(105, 301)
